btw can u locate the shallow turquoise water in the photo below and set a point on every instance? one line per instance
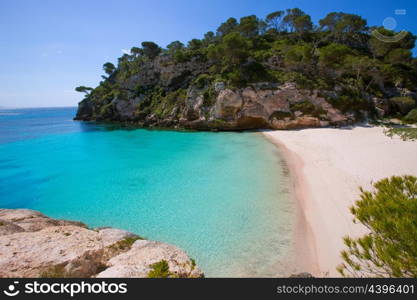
(219, 196)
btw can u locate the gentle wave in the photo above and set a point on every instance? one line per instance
(10, 114)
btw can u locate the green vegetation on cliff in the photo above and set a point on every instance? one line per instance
(339, 57)
(159, 270)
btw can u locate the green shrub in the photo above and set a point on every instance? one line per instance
(181, 56)
(126, 243)
(299, 55)
(411, 117)
(404, 104)
(390, 248)
(405, 133)
(236, 78)
(209, 97)
(176, 96)
(302, 81)
(139, 90)
(193, 263)
(160, 270)
(349, 103)
(332, 55)
(202, 80)
(106, 110)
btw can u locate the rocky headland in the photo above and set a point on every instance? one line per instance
(34, 245)
(181, 95)
(261, 74)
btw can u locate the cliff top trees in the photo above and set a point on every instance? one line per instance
(227, 27)
(174, 46)
(109, 68)
(83, 89)
(195, 44)
(339, 22)
(274, 20)
(390, 247)
(209, 38)
(296, 20)
(348, 29)
(136, 51)
(249, 26)
(150, 49)
(233, 49)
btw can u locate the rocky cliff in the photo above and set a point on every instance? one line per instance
(183, 96)
(180, 95)
(262, 105)
(33, 245)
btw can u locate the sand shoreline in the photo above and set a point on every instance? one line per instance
(326, 167)
(304, 243)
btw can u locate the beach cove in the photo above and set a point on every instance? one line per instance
(221, 197)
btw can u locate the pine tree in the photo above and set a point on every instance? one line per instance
(390, 247)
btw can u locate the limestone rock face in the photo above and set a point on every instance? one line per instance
(255, 107)
(228, 103)
(78, 251)
(85, 111)
(138, 261)
(33, 245)
(126, 109)
(31, 220)
(7, 227)
(193, 104)
(299, 122)
(112, 235)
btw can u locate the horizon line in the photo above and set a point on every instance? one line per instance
(29, 107)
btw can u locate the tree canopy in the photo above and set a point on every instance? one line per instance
(151, 49)
(227, 27)
(109, 68)
(83, 89)
(174, 46)
(274, 20)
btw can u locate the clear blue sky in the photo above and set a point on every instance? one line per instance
(48, 47)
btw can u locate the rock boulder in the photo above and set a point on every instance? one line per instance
(33, 245)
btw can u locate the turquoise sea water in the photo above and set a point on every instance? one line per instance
(219, 196)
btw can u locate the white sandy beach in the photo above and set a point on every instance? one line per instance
(327, 166)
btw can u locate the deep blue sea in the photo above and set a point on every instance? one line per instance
(222, 197)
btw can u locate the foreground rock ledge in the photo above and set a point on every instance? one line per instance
(33, 245)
